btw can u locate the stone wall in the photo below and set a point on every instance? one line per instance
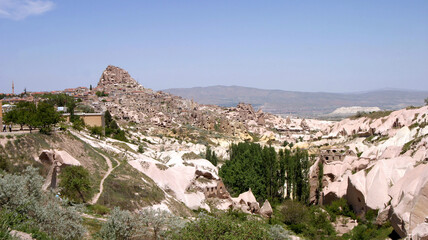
(90, 119)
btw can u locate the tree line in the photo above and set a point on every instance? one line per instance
(270, 174)
(42, 116)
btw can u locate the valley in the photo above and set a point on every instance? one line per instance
(170, 163)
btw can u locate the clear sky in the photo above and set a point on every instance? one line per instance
(333, 46)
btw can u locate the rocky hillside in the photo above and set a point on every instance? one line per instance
(387, 171)
(164, 113)
(378, 154)
(376, 161)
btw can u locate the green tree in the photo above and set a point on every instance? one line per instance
(59, 100)
(75, 183)
(214, 159)
(78, 123)
(301, 175)
(211, 156)
(140, 148)
(23, 114)
(245, 170)
(46, 117)
(426, 101)
(271, 174)
(208, 153)
(284, 172)
(11, 116)
(320, 178)
(266, 172)
(112, 129)
(101, 94)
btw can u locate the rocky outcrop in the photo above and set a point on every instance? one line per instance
(370, 191)
(344, 224)
(163, 113)
(385, 126)
(410, 200)
(266, 209)
(420, 232)
(115, 77)
(247, 202)
(55, 160)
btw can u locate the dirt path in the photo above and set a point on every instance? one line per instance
(110, 169)
(92, 217)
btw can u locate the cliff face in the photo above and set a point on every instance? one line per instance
(389, 173)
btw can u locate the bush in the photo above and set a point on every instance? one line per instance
(98, 209)
(32, 210)
(101, 94)
(223, 226)
(97, 131)
(190, 156)
(276, 232)
(140, 149)
(78, 123)
(121, 225)
(312, 222)
(3, 164)
(340, 207)
(148, 224)
(293, 212)
(5, 222)
(75, 184)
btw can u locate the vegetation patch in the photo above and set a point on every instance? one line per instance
(265, 171)
(125, 188)
(190, 156)
(371, 115)
(161, 166)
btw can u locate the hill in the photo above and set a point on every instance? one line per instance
(305, 104)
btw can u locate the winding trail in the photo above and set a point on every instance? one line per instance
(110, 169)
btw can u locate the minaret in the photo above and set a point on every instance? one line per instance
(13, 89)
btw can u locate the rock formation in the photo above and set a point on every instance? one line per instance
(55, 160)
(266, 209)
(160, 112)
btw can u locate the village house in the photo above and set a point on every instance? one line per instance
(335, 154)
(216, 191)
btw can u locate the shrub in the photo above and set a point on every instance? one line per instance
(312, 222)
(293, 212)
(340, 207)
(190, 156)
(75, 183)
(78, 123)
(96, 130)
(98, 209)
(3, 163)
(223, 226)
(276, 232)
(37, 212)
(147, 224)
(140, 148)
(101, 94)
(121, 225)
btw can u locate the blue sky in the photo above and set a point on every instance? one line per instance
(331, 46)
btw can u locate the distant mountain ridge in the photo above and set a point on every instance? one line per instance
(305, 104)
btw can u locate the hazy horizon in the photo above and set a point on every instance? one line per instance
(335, 46)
